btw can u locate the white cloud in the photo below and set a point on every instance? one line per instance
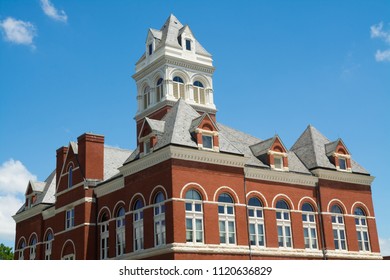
(51, 11)
(385, 246)
(377, 31)
(14, 178)
(18, 31)
(382, 55)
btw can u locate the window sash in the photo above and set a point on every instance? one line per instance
(159, 225)
(69, 218)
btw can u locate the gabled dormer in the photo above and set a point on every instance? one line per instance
(339, 155)
(149, 132)
(187, 40)
(272, 152)
(152, 41)
(33, 190)
(205, 131)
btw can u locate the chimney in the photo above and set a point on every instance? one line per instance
(91, 155)
(61, 155)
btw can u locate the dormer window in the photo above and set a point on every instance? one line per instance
(188, 44)
(342, 163)
(146, 146)
(70, 177)
(150, 48)
(278, 162)
(207, 141)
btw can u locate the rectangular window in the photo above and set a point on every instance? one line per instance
(146, 147)
(278, 163)
(207, 141)
(284, 229)
(188, 45)
(227, 232)
(342, 163)
(69, 222)
(150, 47)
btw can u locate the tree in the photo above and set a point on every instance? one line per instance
(6, 252)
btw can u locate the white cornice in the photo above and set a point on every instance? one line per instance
(173, 152)
(31, 212)
(244, 250)
(343, 177)
(280, 176)
(109, 187)
(333, 254)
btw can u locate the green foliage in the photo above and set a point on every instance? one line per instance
(6, 252)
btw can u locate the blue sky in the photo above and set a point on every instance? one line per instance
(66, 66)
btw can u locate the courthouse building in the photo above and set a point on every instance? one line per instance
(194, 188)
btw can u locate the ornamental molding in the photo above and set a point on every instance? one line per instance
(31, 212)
(334, 254)
(343, 177)
(109, 187)
(188, 154)
(280, 177)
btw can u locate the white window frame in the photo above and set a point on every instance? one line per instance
(194, 216)
(21, 251)
(33, 250)
(69, 218)
(104, 237)
(147, 148)
(138, 225)
(48, 248)
(280, 165)
(256, 219)
(226, 218)
(159, 224)
(180, 88)
(199, 94)
(338, 228)
(362, 233)
(120, 235)
(212, 141)
(284, 225)
(310, 225)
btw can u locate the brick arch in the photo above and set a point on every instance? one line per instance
(119, 204)
(339, 203)
(134, 200)
(286, 198)
(103, 210)
(196, 187)
(341, 150)
(155, 190)
(30, 238)
(20, 242)
(307, 199)
(49, 229)
(258, 195)
(70, 163)
(228, 190)
(361, 205)
(68, 248)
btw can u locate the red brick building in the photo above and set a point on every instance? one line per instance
(194, 188)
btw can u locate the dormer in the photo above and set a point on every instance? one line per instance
(32, 192)
(186, 40)
(339, 155)
(205, 132)
(152, 40)
(149, 132)
(272, 152)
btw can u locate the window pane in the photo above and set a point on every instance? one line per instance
(188, 45)
(198, 207)
(199, 237)
(221, 209)
(286, 216)
(231, 226)
(260, 229)
(189, 236)
(278, 215)
(306, 232)
(251, 213)
(252, 228)
(304, 217)
(189, 224)
(188, 206)
(207, 141)
(340, 219)
(311, 217)
(198, 224)
(230, 210)
(222, 226)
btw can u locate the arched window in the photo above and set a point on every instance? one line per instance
(48, 245)
(70, 176)
(159, 220)
(256, 222)
(199, 94)
(194, 217)
(309, 226)
(138, 224)
(226, 218)
(159, 90)
(362, 230)
(146, 97)
(338, 227)
(33, 248)
(120, 232)
(21, 250)
(104, 235)
(178, 87)
(284, 224)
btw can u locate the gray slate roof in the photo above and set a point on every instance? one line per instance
(311, 150)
